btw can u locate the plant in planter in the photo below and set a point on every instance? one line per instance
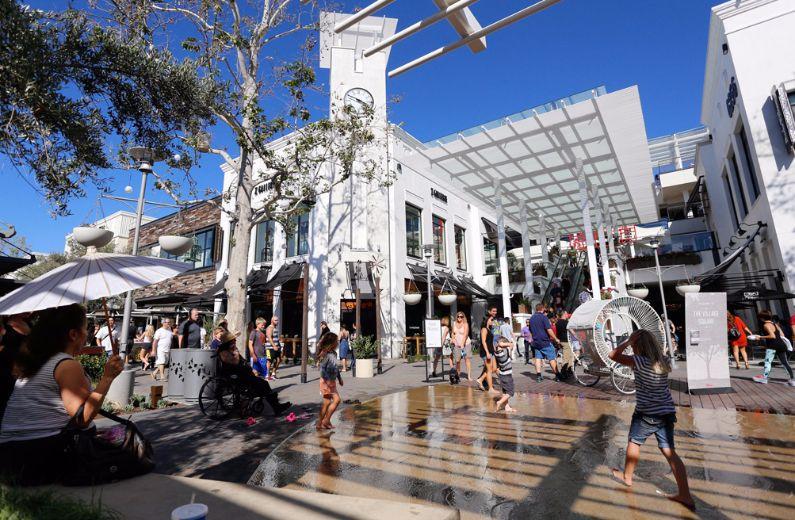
(366, 349)
(524, 305)
(638, 290)
(688, 286)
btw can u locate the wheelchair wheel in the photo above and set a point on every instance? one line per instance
(217, 398)
(581, 371)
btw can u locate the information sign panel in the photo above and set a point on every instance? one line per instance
(706, 337)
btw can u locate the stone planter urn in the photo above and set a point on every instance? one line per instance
(175, 245)
(364, 367)
(92, 236)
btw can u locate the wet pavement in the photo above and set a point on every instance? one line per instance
(447, 445)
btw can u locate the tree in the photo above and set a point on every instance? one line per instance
(261, 96)
(68, 85)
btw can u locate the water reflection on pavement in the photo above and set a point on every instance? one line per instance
(446, 445)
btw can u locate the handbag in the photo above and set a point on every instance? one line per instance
(447, 348)
(91, 459)
(734, 333)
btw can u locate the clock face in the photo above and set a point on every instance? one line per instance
(358, 99)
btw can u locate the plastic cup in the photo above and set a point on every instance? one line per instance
(190, 512)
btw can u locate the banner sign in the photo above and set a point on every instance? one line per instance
(707, 341)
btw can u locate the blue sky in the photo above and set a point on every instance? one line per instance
(570, 47)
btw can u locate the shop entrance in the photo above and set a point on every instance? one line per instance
(367, 317)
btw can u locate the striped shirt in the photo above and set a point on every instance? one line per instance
(36, 409)
(503, 361)
(653, 396)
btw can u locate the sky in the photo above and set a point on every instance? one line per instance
(574, 45)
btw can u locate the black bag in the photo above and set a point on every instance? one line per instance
(734, 334)
(92, 460)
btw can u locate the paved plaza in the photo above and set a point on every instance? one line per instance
(446, 445)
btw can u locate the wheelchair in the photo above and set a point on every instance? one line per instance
(222, 395)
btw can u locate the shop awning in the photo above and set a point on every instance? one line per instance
(513, 238)
(360, 275)
(757, 294)
(163, 299)
(9, 264)
(208, 297)
(257, 280)
(420, 274)
(714, 274)
(473, 288)
(285, 274)
(461, 285)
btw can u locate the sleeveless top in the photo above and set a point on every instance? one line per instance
(459, 338)
(652, 393)
(275, 336)
(776, 343)
(36, 409)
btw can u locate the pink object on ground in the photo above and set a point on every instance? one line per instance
(251, 421)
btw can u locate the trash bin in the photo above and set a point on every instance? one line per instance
(176, 372)
(199, 366)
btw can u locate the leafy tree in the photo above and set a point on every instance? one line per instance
(245, 49)
(68, 84)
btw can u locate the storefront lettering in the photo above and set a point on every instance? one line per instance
(438, 195)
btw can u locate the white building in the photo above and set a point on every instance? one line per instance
(749, 89)
(519, 182)
(122, 223)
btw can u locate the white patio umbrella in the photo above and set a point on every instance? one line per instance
(91, 277)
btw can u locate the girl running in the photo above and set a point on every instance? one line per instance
(654, 410)
(329, 375)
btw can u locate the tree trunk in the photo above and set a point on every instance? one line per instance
(240, 240)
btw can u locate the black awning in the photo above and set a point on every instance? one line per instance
(474, 289)
(757, 294)
(257, 280)
(9, 284)
(163, 299)
(285, 274)
(9, 264)
(714, 274)
(513, 239)
(360, 275)
(208, 297)
(420, 274)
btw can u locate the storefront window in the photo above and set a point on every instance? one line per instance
(413, 231)
(749, 171)
(263, 245)
(298, 239)
(460, 248)
(202, 251)
(489, 256)
(439, 253)
(738, 184)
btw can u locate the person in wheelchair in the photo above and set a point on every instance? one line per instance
(232, 366)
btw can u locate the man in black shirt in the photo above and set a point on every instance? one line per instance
(190, 332)
(561, 325)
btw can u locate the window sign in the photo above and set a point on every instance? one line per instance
(439, 253)
(413, 231)
(460, 248)
(731, 97)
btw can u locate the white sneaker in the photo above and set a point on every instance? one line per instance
(760, 379)
(791, 382)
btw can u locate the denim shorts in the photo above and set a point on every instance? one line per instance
(544, 351)
(662, 426)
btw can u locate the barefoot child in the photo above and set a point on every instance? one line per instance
(654, 410)
(502, 353)
(329, 375)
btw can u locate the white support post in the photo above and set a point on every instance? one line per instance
(602, 246)
(611, 239)
(585, 207)
(542, 240)
(529, 289)
(502, 252)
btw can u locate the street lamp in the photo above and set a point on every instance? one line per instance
(428, 250)
(654, 244)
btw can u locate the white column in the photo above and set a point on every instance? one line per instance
(542, 241)
(611, 239)
(502, 252)
(602, 246)
(528, 259)
(585, 207)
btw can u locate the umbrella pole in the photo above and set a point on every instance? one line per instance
(113, 344)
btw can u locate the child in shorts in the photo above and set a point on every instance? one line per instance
(329, 375)
(502, 353)
(654, 410)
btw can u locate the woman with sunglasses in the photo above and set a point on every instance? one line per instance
(460, 337)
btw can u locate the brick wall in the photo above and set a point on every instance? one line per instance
(195, 218)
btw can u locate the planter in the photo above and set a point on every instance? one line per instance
(688, 288)
(447, 299)
(364, 368)
(175, 245)
(639, 292)
(91, 236)
(412, 298)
